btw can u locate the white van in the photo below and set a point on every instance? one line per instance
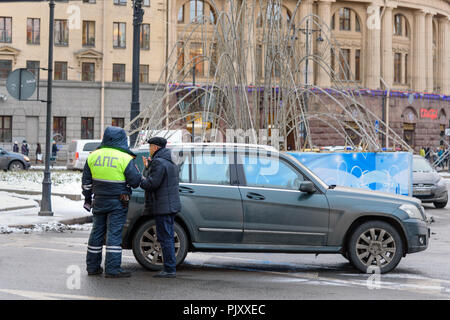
(78, 152)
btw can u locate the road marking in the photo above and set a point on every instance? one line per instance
(39, 295)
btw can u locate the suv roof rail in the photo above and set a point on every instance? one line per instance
(217, 144)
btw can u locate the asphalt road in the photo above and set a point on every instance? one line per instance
(52, 266)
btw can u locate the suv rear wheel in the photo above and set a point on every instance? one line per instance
(375, 246)
(147, 250)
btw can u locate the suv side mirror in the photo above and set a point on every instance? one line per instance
(307, 186)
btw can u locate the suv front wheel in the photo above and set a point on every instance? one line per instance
(375, 247)
(147, 250)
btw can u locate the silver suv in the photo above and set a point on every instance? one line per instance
(255, 199)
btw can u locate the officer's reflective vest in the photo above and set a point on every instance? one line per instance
(108, 165)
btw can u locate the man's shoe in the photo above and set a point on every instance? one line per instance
(121, 274)
(96, 272)
(164, 274)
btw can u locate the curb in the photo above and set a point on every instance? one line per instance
(75, 197)
(68, 222)
(17, 208)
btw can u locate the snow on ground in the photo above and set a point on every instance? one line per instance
(47, 227)
(62, 181)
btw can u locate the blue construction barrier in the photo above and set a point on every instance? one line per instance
(384, 171)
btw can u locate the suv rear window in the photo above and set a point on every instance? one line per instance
(91, 146)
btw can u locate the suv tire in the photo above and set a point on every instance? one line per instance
(144, 239)
(375, 242)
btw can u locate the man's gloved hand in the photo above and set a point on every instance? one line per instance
(87, 206)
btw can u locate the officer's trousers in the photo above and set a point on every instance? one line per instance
(109, 224)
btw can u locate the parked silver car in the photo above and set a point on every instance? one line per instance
(13, 161)
(428, 185)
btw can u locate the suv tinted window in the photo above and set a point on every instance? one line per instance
(184, 170)
(267, 172)
(211, 169)
(91, 146)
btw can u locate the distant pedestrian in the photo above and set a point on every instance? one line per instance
(25, 149)
(38, 153)
(16, 147)
(422, 152)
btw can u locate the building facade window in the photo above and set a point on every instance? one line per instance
(120, 2)
(406, 68)
(5, 129)
(398, 25)
(196, 10)
(180, 60)
(60, 72)
(5, 68)
(143, 73)
(87, 128)
(358, 65)
(180, 18)
(61, 33)
(89, 33)
(344, 19)
(146, 3)
(59, 129)
(118, 72)
(5, 29)
(145, 36)
(398, 68)
(88, 71)
(33, 67)
(196, 54)
(33, 31)
(88, 1)
(344, 68)
(119, 35)
(118, 122)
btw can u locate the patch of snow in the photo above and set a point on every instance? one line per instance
(47, 227)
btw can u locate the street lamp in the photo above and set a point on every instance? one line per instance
(307, 32)
(138, 14)
(46, 201)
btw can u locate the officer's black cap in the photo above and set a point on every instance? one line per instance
(158, 141)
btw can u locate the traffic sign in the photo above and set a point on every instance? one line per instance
(21, 84)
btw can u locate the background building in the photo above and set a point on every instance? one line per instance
(409, 49)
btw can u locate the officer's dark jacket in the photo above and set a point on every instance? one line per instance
(163, 183)
(116, 175)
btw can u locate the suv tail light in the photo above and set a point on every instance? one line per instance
(76, 155)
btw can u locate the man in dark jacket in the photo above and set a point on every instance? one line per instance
(162, 182)
(109, 174)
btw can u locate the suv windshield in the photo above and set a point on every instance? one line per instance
(421, 165)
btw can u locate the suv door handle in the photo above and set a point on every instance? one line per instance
(186, 190)
(255, 196)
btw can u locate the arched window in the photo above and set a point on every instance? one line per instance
(274, 14)
(199, 11)
(400, 26)
(346, 17)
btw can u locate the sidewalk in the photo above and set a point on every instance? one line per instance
(18, 211)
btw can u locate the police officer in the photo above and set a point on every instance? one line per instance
(163, 183)
(108, 175)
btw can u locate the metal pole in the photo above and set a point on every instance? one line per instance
(306, 83)
(138, 14)
(46, 202)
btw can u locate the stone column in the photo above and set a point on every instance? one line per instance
(387, 56)
(429, 52)
(323, 69)
(372, 55)
(306, 9)
(443, 56)
(419, 51)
